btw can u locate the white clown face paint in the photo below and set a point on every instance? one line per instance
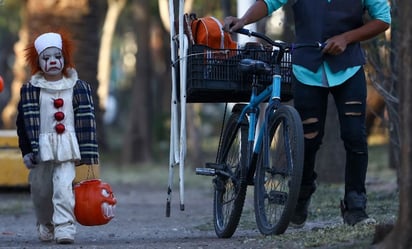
(51, 62)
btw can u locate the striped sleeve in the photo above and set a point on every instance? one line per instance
(85, 123)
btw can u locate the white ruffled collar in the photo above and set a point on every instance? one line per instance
(38, 80)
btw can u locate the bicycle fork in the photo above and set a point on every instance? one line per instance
(263, 143)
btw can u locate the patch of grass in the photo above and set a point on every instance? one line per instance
(332, 236)
(152, 175)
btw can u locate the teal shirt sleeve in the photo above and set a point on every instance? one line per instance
(273, 5)
(378, 9)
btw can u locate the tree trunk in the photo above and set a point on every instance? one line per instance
(9, 42)
(400, 235)
(105, 61)
(137, 140)
(393, 107)
(87, 35)
(19, 77)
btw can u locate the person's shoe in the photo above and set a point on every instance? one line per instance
(64, 240)
(300, 214)
(45, 232)
(355, 216)
(353, 209)
(64, 233)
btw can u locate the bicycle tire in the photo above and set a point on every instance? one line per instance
(277, 185)
(230, 192)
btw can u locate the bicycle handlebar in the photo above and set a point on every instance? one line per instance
(280, 44)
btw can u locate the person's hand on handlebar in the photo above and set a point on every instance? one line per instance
(335, 45)
(232, 23)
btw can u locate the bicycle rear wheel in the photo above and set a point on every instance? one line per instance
(277, 184)
(230, 185)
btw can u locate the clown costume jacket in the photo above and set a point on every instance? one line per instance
(29, 118)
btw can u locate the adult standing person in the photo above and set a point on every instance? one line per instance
(57, 131)
(338, 70)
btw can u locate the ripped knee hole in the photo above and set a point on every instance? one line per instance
(310, 122)
(353, 103)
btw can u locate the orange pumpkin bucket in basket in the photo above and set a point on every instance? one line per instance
(95, 202)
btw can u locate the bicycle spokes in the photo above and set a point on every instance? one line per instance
(278, 180)
(230, 183)
(276, 193)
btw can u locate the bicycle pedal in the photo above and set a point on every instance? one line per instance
(216, 166)
(205, 171)
(277, 197)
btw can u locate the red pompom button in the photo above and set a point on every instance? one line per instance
(59, 116)
(58, 102)
(60, 128)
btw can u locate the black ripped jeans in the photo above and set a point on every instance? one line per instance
(350, 98)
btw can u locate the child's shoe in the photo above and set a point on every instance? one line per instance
(45, 232)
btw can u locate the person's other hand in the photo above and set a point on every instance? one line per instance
(29, 161)
(335, 45)
(232, 23)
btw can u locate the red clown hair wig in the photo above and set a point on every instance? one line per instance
(32, 57)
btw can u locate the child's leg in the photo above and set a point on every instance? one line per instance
(41, 190)
(63, 200)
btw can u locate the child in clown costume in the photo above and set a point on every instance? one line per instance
(57, 131)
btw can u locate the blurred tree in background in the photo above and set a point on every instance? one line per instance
(10, 24)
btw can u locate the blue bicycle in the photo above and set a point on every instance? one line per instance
(273, 163)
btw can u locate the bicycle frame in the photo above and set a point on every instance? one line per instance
(273, 93)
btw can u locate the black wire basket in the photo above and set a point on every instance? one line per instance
(213, 75)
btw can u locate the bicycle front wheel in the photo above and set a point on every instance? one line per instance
(230, 186)
(277, 182)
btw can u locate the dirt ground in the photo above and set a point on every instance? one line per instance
(140, 222)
